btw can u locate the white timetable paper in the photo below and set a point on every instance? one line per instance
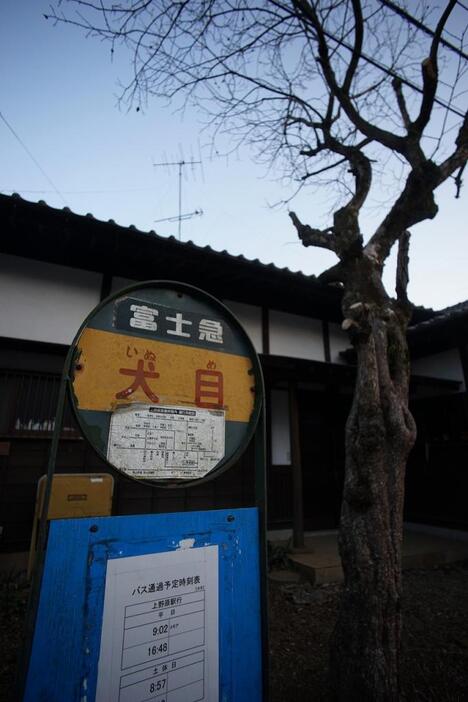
(159, 637)
(166, 442)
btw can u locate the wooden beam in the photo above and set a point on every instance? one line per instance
(106, 286)
(296, 464)
(265, 331)
(326, 341)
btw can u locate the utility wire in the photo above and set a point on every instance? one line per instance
(417, 23)
(18, 138)
(392, 74)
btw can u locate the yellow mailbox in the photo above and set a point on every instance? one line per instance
(73, 495)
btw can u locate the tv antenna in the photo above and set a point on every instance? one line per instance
(181, 165)
(181, 217)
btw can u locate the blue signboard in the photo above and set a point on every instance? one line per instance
(155, 607)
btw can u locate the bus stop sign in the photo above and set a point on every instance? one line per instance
(165, 384)
(167, 388)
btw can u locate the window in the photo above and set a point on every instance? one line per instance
(28, 403)
(280, 432)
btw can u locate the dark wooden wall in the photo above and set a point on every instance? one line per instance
(26, 462)
(437, 474)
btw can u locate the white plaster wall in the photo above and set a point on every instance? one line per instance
(119, 283)
(295, 336)
(446, 365)
(251, 319)
(280, 435)
(44, 302)
(339, 341)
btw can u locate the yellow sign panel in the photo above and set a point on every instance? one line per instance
(77, 495)
(73, 495)
(113, 370)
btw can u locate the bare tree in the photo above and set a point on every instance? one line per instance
(330, 89)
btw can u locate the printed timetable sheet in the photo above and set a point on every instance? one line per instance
(159, 639)
(159, 442)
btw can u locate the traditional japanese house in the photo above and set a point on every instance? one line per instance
(57, 265)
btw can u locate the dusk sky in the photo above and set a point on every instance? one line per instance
(59, 95)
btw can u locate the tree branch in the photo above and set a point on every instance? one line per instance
(362, 172)
(430, 75)
(397, 87)
(459, 181)
(402, 275)
(416, 201)
(357, 47)
(324, 169)
(313, 237)
(373, 132)
(459, 157)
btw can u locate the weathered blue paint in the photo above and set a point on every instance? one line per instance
(64, 659)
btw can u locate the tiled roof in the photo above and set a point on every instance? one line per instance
(82, 241)
(187, 245)
(448, 328)
(60, 236)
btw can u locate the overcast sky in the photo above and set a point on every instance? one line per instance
(59, 94)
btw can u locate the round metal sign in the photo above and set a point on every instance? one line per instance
(165, 383)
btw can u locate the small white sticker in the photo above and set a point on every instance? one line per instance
(159, 442)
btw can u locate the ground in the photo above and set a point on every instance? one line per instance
(435, 638)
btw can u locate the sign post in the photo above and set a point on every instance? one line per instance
(167, 388)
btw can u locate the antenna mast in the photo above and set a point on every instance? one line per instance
(181, 164)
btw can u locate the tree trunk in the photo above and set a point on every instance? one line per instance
(379, 435)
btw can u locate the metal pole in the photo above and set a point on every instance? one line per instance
(261, 502)
(42, 538)
(180, 198)
(38, 565)
(180, 165)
